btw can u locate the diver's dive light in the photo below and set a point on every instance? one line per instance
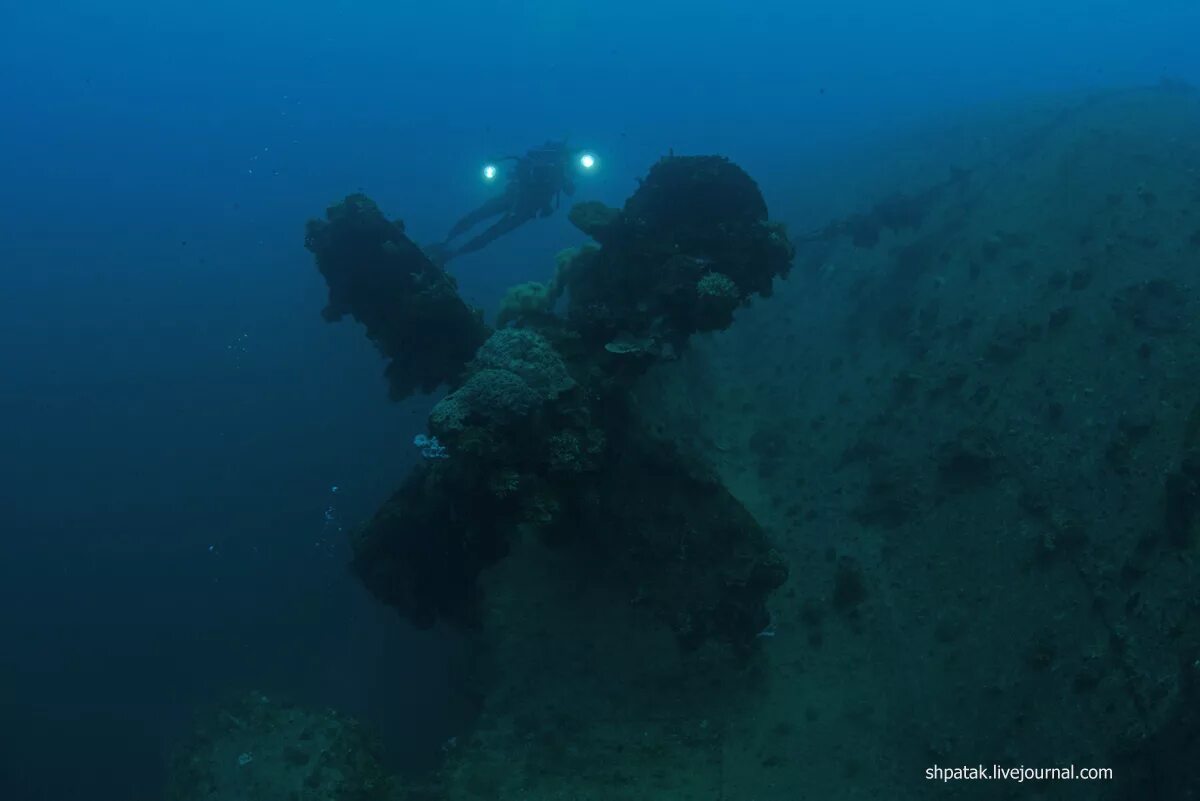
(489, 172)
(587, 161)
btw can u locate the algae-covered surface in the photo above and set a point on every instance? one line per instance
(919, 487)
(258, 748)
(974, 443)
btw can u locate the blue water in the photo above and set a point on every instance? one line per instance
(174, 414)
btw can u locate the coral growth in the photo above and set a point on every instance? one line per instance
(538, 419)
(409, 306)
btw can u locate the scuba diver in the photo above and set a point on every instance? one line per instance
(535, 185)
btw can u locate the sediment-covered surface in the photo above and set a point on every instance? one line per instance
(968, 424)
(977, 438)
(256, 747)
